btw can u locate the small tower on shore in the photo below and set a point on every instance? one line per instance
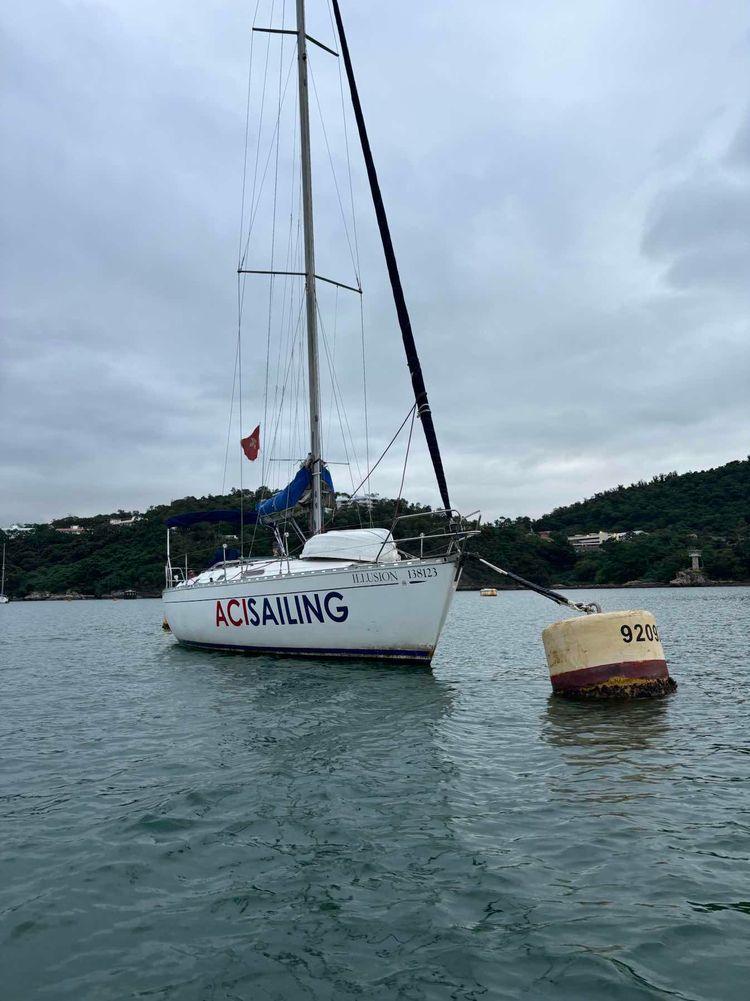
(695, 557)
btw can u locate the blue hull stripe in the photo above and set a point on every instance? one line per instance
(420, 655)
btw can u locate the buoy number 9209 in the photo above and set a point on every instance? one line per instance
(639, 633)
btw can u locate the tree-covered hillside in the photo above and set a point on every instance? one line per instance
(106, 558)
(715, 500)
(676, 513)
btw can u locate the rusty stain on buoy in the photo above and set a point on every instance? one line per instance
(607, 655)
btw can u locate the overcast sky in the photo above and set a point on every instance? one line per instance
(568, 186)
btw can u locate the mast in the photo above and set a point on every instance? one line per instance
(2, 579)
(316, 513)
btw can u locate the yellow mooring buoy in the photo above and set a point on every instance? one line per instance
(607, 655)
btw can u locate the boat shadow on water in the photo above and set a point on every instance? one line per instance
(372, 690)
(306, 720)
(248, 663)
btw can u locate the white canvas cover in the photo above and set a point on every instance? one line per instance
(364, 545)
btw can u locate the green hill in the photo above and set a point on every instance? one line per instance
(708, 509)
(715, 500)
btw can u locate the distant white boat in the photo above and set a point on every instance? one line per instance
(3, 597)
(349, 593)
(488, 592)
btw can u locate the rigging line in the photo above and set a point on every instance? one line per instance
(337, 395)
(335, 179)
(295, 424)
(286, 325)
(346, 145)
(385, 450)
(260, 122)
(403, 474)
(358, 265)
(407, 335)
(255, 202)
(276, 428)
(264, 461)
(255, 205)
(287, 374)
(335, 333)
(364, 395)
(277, 133)
(288, 329)
(229, 428)
(247, 136)
(295, 288)
(272, 432)
(335, 399)
(239, 252)
(287, 341)
(239, 401)
(273, 225)
(333, 26)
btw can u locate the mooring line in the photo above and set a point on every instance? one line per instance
(560, 599)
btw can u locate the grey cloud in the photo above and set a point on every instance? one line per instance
(702, 230)
(738, 154)
(700, 227)
(562, 355)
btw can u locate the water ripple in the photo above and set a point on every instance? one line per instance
(186, 825)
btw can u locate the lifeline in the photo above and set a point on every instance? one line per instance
(280, 610)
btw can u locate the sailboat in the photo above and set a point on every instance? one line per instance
(354, 593)
(3, 596)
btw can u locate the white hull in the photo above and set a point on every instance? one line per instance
(391, 611)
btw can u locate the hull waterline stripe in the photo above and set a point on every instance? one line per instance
(421, 655)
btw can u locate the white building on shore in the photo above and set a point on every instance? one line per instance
(596, 539)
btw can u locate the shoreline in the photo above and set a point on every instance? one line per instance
(472, 589)
(616, 587)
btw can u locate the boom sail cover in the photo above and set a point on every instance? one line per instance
(296, 492)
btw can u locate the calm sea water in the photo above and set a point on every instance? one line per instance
(187, 825)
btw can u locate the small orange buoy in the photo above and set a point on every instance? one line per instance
(607, 655)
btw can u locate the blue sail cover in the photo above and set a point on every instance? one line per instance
(194, 517)
(292, 494)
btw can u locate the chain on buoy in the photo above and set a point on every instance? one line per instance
(604, 654)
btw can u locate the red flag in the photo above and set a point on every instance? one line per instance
(251, 444)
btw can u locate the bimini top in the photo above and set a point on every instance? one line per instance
(361, 545)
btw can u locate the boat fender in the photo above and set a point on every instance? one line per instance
(607, 655)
